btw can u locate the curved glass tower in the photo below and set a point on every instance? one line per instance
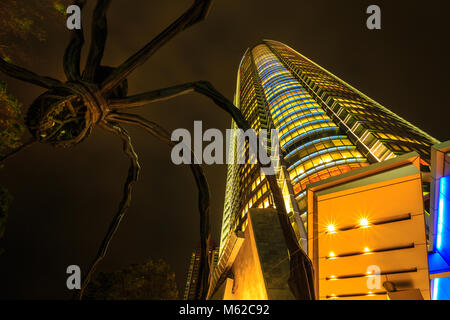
(326, 128)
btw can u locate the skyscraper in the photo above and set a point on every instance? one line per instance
(327, 128)
(193, 270)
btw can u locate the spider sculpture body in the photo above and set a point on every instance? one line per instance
(65, 115)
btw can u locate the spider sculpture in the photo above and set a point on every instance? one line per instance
(65, 115)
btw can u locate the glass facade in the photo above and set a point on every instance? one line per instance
(315, 149)
(326, 128)
(379, 133)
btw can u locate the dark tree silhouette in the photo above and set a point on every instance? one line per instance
(65, 115)
(11, 131)
(21, 21)
(151, 280)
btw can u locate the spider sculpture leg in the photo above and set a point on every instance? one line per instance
(301, 278)
(98, 35)
(203, 193)
(97, 83)
(71, 60)
(26, 75)
(196, 13)
(133, 173)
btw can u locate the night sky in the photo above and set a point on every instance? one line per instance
(65, 198)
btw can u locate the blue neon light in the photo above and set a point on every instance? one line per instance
(312, 142)
(317, 153)
(274, 76)
(302, 125)
(435, 289)
(441, 288)
(275, 117)
(282, 103)
(308, 133)
(326, 165)
(294, 119)
(443, 194)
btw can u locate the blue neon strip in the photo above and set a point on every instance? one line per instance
(279, 91)
(286, 91)
(301, 110)
(312, 114)
(296, 89)
(267, 72)
(274, 106)
(317, 153)
(442, 211)
(267, 64)
(276, 76)
(298, 97)
(435, 288)
(327, 165)
(284, 135)
(278, 85)
(313, 142)
(266, 76)
(301, 194)
(311, 132)
(293, 106)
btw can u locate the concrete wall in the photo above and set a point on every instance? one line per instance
(261, 268)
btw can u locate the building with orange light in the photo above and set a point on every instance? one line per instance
(329, 131)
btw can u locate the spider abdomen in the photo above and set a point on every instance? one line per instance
(64, 116)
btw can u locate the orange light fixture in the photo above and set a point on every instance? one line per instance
(331, 228)
(364, 223)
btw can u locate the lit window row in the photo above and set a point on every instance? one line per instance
(318, 145)
(300, 109)
(331, 129)
(327, 170)
(315, 142)
(305, 131)
(320, 158)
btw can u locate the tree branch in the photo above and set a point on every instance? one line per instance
(202, 186)
(196, 13)
(25, 75)
(98, 41)
(133, 173)
(72, 54)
